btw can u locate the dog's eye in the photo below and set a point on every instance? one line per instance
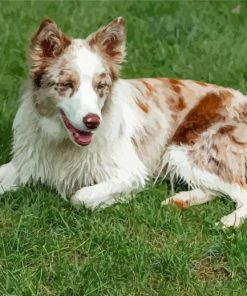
(67, 84)
(101, 85)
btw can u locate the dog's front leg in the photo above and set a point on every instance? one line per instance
(102, 194)
(8, 177)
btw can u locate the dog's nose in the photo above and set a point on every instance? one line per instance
(91, 121)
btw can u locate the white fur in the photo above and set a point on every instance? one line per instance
(110, 158)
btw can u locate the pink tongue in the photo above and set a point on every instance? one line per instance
(83, 138)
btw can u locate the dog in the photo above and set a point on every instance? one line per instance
(97, 138)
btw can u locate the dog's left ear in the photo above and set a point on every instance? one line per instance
(110, 41)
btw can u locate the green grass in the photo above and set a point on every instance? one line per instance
(139, 248)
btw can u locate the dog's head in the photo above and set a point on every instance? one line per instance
(74, 77)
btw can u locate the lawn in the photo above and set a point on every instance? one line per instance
(139, 248)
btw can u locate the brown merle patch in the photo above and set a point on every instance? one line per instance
(144, 107)
(177, 104)
(68, 83)
(237, 133)
(102, 84)
(176, 84)
(210, 110)
(222, 151)
(149, 88)
(201, 83)
(241, 112)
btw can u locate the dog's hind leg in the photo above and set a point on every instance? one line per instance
(207, 184)
(186, 199)
(216, 163)
(8, 177)
(237, 217)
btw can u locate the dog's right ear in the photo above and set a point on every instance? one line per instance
(47, 43)
(49, 40)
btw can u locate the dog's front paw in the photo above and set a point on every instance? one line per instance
(7, 178)
(86, 197)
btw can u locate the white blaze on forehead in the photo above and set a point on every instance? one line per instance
(85, 100)
(87, 62)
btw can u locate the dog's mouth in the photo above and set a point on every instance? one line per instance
(81, 138)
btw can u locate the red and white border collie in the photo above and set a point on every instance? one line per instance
(94, 137)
